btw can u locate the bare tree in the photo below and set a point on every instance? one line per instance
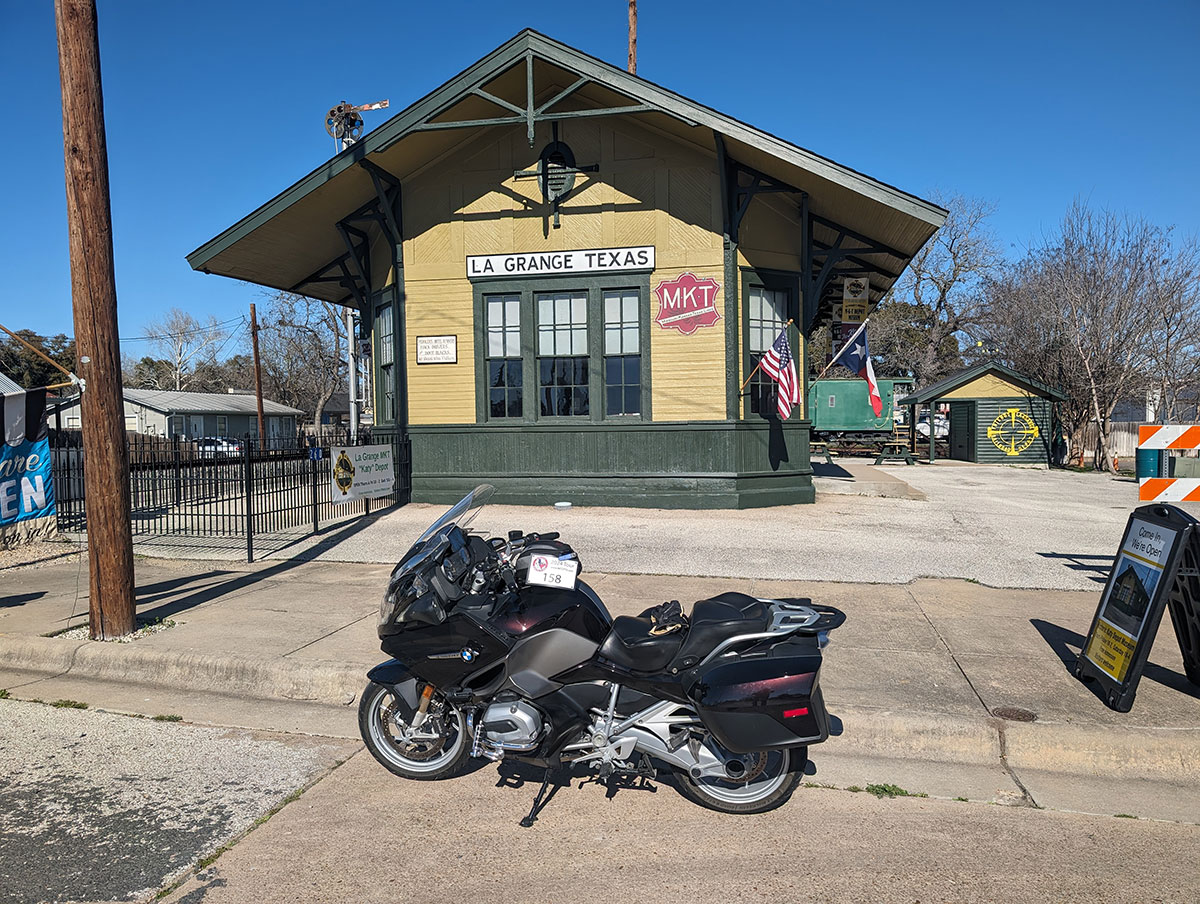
(185, 344)
(302, 352)
(1174, 347)
(917, 328)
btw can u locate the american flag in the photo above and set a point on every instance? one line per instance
(781, 368)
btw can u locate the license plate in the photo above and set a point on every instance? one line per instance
(555, 572)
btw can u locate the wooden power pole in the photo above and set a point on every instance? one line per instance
(633, 37)
(94, 299)
(257, 372)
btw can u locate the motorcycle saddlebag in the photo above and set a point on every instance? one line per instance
(767, 697)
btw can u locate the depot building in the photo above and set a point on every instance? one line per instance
(567, 273)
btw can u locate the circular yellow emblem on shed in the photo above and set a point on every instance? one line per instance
(343, 473)
(1013, 431)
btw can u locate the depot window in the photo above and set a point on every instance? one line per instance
(769, 300)
(563, 350)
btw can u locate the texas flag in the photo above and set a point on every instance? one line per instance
(858, 359)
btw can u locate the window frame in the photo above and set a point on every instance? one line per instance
(773, 280)
(594, 286)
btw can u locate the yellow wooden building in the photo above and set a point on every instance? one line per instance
(568, 272)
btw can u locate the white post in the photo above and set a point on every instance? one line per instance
(352, 372)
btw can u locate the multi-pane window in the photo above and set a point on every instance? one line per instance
(622, 353)
(767, 315)
(385, 330)
(222, 425)
(562, 354)
(504, 364)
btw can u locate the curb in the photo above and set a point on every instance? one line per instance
(216, 673)
(1164, 754)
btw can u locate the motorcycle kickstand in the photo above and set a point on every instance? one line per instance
(539, 801)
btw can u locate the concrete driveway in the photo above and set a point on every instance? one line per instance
(1001, 526)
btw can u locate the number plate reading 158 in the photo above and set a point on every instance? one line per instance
(555, 572)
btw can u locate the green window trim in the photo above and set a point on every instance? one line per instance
(594, 286)
(775, 281)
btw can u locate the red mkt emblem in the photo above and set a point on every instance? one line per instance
(685, 303)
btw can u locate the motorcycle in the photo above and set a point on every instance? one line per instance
(499, 651)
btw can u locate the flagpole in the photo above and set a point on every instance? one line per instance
(845, 345)
(760, 360)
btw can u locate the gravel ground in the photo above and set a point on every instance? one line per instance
(99, 806)
(41, 552)
(1005, 527)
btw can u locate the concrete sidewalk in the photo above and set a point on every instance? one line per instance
(916, 677)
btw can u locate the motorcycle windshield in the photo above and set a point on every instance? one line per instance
(462, 512)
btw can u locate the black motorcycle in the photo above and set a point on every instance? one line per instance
(501, 651)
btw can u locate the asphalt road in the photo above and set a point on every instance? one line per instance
(1001, 526)
(363, 835)
(99, 806)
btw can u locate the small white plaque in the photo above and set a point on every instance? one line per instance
(437, 349)
(555, 572)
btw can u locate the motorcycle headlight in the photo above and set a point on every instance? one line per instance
(400, 594)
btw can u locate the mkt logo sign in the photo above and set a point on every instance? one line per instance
(687, 303)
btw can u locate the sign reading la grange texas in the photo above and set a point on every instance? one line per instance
(687, 303)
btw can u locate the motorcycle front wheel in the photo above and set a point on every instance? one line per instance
(440, 751)
(769, 780)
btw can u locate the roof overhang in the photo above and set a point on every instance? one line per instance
(294, 243)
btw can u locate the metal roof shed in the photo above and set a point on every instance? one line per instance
(997, 415)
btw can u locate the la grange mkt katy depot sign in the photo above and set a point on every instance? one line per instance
(685, 302)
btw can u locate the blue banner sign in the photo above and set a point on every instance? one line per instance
(26, 487)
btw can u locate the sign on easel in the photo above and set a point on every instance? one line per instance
(1155, 568)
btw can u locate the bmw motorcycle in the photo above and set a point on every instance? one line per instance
(501, 651)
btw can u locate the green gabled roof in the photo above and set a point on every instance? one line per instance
(963, 377)
(292, 235)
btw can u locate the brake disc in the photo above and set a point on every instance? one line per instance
(755, 764)
(419, 750)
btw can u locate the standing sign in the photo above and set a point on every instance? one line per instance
(1156, 567)
(27, 508)
(361, 472)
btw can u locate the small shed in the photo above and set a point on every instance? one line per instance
(997, 416)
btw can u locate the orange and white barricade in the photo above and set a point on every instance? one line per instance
(1181, 437)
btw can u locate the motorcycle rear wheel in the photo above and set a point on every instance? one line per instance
(380, 722)
(771, 787)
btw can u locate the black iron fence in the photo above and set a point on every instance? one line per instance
(229, 489)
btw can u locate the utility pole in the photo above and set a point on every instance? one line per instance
(94, 303)
(352, 373)
(633, 37)
(257, 372)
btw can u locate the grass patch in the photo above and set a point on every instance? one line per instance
(4, 694)
(69, 704)
(963, 799)
(886, 790)
(168, 717)
(1124, 816)
(819, 785)
(854, 789)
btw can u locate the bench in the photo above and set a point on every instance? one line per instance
(819, 449)
(895, 451)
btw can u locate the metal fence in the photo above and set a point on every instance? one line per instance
(185, 489)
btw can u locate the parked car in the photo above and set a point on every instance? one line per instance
(218, 447)
(941, 426)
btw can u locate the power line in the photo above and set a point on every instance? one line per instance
(202, 329)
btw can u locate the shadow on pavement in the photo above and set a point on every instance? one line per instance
(330, 539)
(20, 599)
(824, 469)
(1099, 566)
(1067, 644)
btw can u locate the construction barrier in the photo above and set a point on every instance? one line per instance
(1167, 437)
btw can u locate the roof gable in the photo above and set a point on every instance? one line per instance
(289, 242)
(991, 376)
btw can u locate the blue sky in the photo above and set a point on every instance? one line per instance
(213, 108)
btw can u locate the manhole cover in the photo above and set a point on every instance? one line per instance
(1014, 714)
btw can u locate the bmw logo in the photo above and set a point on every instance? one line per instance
(467, 654)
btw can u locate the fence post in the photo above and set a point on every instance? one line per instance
(249, 481)
(313, 462)
(178, 472)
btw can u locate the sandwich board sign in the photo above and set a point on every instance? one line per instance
(1157, 567)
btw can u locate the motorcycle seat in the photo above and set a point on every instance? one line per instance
(717, 619)
(632, 644)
